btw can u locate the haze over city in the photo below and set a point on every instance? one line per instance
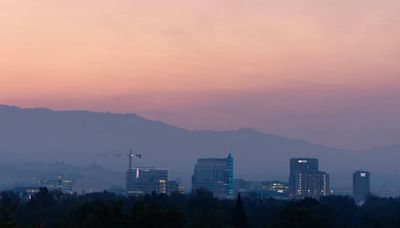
(322, 71)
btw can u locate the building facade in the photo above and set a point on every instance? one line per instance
(262, 189)
(306, 180)
(60, 183)
(215, 175)
(175, 186)
(312, 184)
(300, 165)
(146, 180)
(361, 186)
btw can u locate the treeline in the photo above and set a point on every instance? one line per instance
(200, 209)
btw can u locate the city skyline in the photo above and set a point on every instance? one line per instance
(216, 175)
(320, 71)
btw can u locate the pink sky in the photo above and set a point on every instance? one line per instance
(324, 71)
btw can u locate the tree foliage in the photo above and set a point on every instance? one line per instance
(199, 209)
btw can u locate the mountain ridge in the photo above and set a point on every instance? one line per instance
(78, 137)
(244, 129)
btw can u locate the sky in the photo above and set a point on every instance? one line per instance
(324, 71)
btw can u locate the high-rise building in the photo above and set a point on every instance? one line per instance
(300, 165)
(361, 186)
(146, 180)
(215, 175)
(306, 180)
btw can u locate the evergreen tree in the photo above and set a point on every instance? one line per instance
(239, 218)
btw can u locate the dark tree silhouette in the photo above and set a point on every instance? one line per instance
(239, 218)
(8, 205)
(200, 209)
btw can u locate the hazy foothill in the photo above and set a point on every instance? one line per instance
(77, 138)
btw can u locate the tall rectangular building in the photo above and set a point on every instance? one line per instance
(306, 180)
(146, 180)
(361, 186)
(215, 175)
(300, 165)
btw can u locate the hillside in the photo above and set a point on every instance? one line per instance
(78, 137)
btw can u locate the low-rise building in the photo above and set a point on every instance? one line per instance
(146, 180)
(60, 183)
(175, 186)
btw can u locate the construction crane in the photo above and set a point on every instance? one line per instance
(129, 173)
(130, 155)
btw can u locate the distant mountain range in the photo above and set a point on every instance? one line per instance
(79, 137)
